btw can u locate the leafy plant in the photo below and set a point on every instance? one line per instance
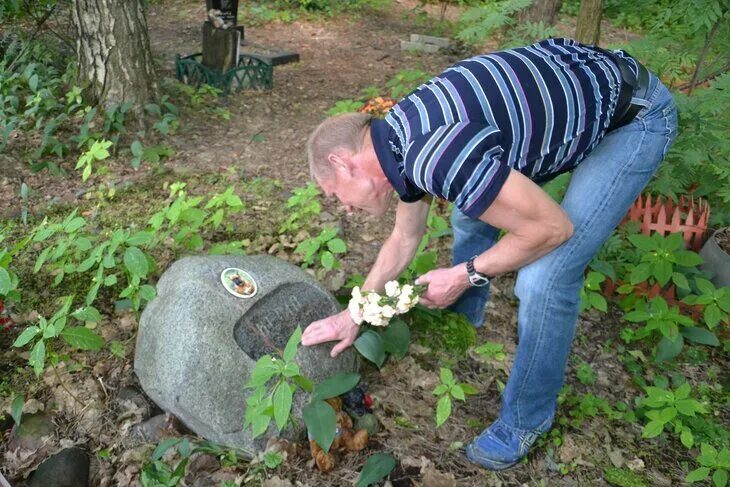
(406, 81)
(480, 23)
(345, 106)
(302, 205)
(267, 403)
(590, 295)
(376, 468)
(446, 390)
(151, 154)
(710, 459)
(98, 151)
(716, 302)
(673, 326)
(322, 249)
(47, 330)
(491, 350)
(662, 258)
(667, 407)
(442, 329)
(586, 374)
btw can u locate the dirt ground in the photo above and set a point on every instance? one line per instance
(265, 138)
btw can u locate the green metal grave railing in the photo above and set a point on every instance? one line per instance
(250, 73)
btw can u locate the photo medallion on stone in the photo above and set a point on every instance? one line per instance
(239, 282)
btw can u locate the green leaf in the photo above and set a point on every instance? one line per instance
(668, 349)
(136, 262)
(687, 438)
(701, 336)
(598, 302)
(16, 409)
(139, 238)
(458, 393)
(88, 313)
(640, 273)
(697, 475)
(321, 423)
(27, 335)
(33, 83)
(396, 338)
(642, 242)
(282, 404)
(682, 391)
(337, 246)
(662, 272)
(263, 371)
(719, 478)
(447, 377)
(687, 258)
(713, 315)
(328, 260)
(164, 445)
(136, 148)
(370, 346)
(336, 385)
(82, 338)
(680, 280)
(440, 389)
(688, 407)
(667, 414)
(6, 283)
(74, 224)
(443, 409)
(38, 357)
(376, 468)
(290, 351)
(652, 429)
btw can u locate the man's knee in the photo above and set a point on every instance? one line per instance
(548, 275)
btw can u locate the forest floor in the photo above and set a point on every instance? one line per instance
(261, 150)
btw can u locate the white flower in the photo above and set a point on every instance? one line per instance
(356, 294)
(355, 311)
(391, 289)
(388, 311)
(406, 290)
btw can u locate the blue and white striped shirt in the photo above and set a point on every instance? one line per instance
(538, 109)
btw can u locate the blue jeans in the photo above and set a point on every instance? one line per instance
(601, 189)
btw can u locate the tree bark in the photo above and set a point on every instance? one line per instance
(541, 10)
(113, 49)
(588, 30)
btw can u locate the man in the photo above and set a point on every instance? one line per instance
(485, 134)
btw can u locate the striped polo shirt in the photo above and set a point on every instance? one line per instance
(538, 109)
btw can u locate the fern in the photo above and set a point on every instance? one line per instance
(480, 23)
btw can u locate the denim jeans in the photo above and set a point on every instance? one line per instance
(601, 189)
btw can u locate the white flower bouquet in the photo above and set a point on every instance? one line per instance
(377, 310)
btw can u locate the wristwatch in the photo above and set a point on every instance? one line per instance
(477, 279)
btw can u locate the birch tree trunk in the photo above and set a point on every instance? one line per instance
(588, 30)
(541, 10)
(113, 50)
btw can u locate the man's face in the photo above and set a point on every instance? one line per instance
(358, 191)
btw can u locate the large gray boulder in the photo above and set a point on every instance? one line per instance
(198, 343)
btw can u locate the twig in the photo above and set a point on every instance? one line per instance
(709, 77)
(63, 384)
(39, 24)
(705, 48)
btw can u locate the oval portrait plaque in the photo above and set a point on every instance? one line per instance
(239, 282)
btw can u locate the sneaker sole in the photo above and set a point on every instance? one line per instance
(486, 462)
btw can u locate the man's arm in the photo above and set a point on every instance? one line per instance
(400, 247)
(394, 256)
(535, 225)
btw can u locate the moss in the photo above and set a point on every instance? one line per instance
(442, 330)
(619, 477)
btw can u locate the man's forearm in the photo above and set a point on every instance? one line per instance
(394, 256)
(514, 251)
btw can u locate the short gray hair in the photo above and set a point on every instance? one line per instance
(345, 132)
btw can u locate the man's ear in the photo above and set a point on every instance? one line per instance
(340, 163)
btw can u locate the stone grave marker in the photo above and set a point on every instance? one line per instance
(200, 338)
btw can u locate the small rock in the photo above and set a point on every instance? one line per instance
(155, 428)
(33, 432)
(635, 465)
(275, 481)
(131, 394)
(67, 468)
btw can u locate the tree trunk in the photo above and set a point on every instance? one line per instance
(588, 30)
(541, 10)
(113, 50)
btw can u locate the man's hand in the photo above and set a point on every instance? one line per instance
(336, 327)
(444, 286)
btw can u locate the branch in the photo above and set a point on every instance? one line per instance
(39, 24)
(709, 77)
(705, 48)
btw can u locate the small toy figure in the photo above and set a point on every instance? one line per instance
(357, 401)
(345, 438)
